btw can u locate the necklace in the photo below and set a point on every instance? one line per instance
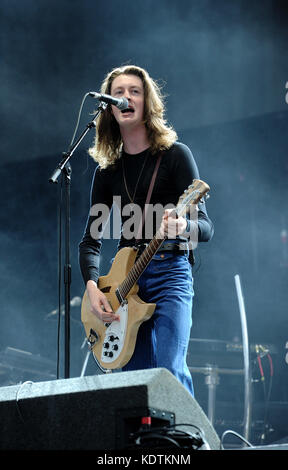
(139, 176)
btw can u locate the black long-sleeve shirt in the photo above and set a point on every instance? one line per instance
(176, 172)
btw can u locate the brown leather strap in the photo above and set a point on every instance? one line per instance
(149, 195)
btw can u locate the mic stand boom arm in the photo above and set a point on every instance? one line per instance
(65, 168)
(66, 156)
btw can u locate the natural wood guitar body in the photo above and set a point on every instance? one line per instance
(138, 312)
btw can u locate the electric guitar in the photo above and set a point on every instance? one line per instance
(113, 344)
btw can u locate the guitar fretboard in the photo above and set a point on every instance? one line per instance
(140, 265)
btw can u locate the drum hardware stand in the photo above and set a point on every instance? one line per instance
(212, 371)
(211, 380)
(86, 359)
(64, 168)
(246, 357)
(212, 377)
(84, 366)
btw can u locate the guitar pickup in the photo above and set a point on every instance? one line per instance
(92, 339)
(119, 296)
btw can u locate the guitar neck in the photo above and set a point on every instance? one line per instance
(192, 195)
(140, 265)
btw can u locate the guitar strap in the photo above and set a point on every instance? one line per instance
(149, 195)
(191, 254)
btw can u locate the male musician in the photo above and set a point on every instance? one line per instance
(126, 147)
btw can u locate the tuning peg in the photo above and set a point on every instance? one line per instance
(207, 196)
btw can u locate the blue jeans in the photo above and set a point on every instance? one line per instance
(163, 340)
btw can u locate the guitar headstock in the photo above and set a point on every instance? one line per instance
(192, 195)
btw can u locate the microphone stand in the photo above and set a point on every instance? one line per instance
(64, 168)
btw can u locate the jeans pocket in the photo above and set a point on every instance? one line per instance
(170, 261)
(164, 256)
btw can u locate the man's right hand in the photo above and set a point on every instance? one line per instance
(99, 304)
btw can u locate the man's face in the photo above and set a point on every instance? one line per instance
(131, 88)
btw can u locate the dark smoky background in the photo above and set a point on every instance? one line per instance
(223, 68)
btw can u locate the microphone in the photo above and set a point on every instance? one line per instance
(120, 103)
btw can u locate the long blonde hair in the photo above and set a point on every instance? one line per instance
(108, 142)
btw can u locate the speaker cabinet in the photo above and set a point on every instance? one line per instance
(96, 412)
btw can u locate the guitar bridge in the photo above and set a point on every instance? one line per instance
(92, 339)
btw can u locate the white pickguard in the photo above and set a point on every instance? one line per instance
(115, 336)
